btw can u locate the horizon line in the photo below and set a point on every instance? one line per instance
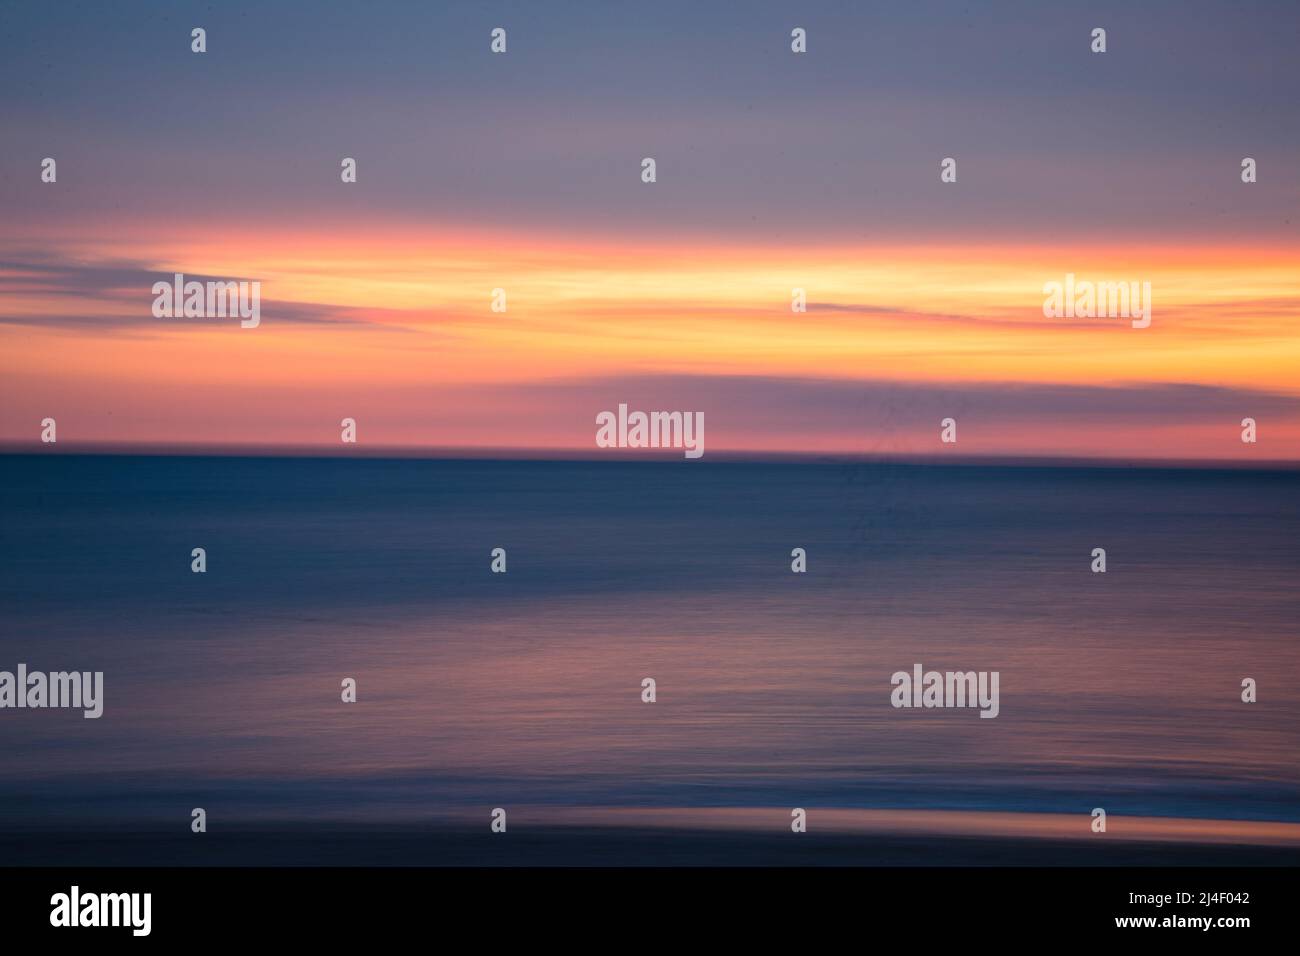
(10, 448)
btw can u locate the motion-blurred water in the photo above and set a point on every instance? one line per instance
(479, 690)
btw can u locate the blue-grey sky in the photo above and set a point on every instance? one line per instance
(844, 141)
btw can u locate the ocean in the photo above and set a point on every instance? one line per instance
(523, 690)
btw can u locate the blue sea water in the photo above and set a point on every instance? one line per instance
(478, 690)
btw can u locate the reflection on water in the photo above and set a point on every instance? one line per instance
(477, 689)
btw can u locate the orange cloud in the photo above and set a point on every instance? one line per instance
(357, 308)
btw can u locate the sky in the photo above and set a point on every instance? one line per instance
(522, 171)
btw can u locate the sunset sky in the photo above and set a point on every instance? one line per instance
(522, 171)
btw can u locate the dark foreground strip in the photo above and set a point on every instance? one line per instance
(667, 907)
